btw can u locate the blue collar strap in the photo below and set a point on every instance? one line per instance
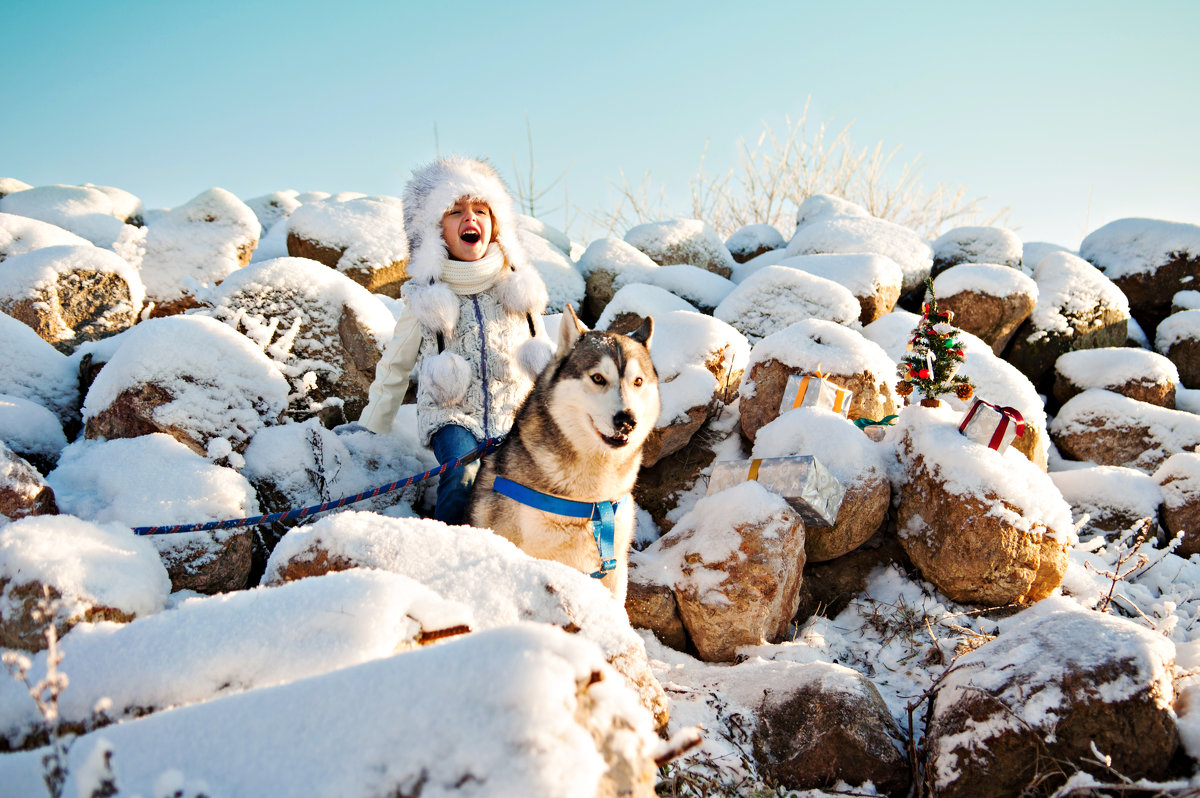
(601, 514)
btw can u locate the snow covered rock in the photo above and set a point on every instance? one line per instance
(11, 185)
(211, 647)
(91, 572)
(752, 240)
(107, 217)
(1110, 429)
(847, 234)
(323, 331)
(823, 207)
(31, 431)
(988, 300)
(635, 301)
(776, 297)
(1179, 479)
(735, 563)
(822, 725)
(552, 235)
(564, 283)
(1077, 308)
(1149, 260)
(843, 356)
(20, 234)
(607, 265)
(23, 491)
(986, 528)
(873, 280)
(682, 241)
(70, 294)
(271, 209)
(33, 370)
(195, 246)
(1114, 498)
(191, 377)
(1136, 373)
(997, 245)
(1178, 337)
(519, 711)
(652, 605)
(1059, 688)
(501, 584)
(851, 457)
(363, 238)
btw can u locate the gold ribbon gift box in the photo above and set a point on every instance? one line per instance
(801, 480)
(810, 390)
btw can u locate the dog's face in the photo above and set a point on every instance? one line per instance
(605, 390)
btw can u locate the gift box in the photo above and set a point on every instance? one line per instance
(801, 480)
(992, 425)
(815, 391)
(876, 430)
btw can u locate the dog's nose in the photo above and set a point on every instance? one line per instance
(624, 422)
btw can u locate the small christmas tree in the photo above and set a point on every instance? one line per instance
(933, 355)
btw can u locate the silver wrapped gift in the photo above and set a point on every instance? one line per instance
(801, 480)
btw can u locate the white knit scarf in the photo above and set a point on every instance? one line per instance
(466, 277)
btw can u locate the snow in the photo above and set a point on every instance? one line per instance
(273, 243)
(30, 274)
(147, 481)
(1179, 479)
(673, 241)
(821, 207)
(753, 237)
(1129, 247)
(682, 342)
(32, 369)
(775, 297)
(1186, 300)
(867, 234)
(29, 428)
(616, 256)
(369, 230)
(642, 299)
(88, 211)
(864, 274)
(1069, 287)
(1181, 326)
(840, 446)
(564, 283)
(552, 235)
(21, 234)
(1103, 490)
(1111, 366)
(984, 278)
(817, 344)
(222, 385)
(270, 209)
(629, 265)
(997, 245)
(1169, 431)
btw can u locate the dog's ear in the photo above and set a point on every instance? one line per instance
(644, 331)
(569, 330)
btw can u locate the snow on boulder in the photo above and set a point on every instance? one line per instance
(988, 300)
(1136, 373)
(607, 265)
(363, 238)
(997, 245)
(324, 331)
(210, 647)
(686, 241)
(874, 280)
(776, 297)
(1032, 253)
(752, 240)
(1178, 337)
(1179, 479)
(1077, 308)
(1115, 499)
(735, 563)
(106, 217)
(1110, 429)
(846, 234)
(21, 234)
(1060, 688)
(1149, 260)
(195, 246)
(518, 711)
(92, 572)
(552, 235)
(823, 207)
(23, 490)
(34, 370)
(985, 527)
(191, 377)
(11, 185)
(842, 356)
(1185, 300)
(31, 431)
(564, 283)
(853, 459)
(636, 301)
(270, 209)
(501, 584)
(71, 294)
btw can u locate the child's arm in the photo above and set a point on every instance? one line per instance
(391, 375)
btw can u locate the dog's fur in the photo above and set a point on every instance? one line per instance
(579, 436)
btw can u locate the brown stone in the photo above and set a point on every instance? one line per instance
(207, 562)
(23, 491)
(661, 487)
(652, 605)
(686, 241)
(664, 441)
(863, 509)
(172, 307)
(1150, 292)
(1110, 429)
(1185, 354)
(132, 414)
(386, 279)
(79, 306)
(830, 586)
(20, 629)
(1181, 501)
(992, 318)
(1149, 388)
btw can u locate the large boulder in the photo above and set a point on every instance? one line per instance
(1137, 373)
(1178, 338)
(31, 431)
(324, 331)
(23, 491)
(1110, 429)
(108, 217)
(11, 185)
(857, 234)
(363, 238)
(652, 605)
(1114, 499)
(735, 564)
(71, 294)
(1179, 479)
(1061, 689)
(987, 300)
(59, 571)
(191, 377)
(751, 240)
(843, 356)
(21, 234)
(985, 527)
(35, 371)
(1077, 308)
(776, 297)
(874, 280)
(607, 265)
(271, 209)
(997, 245)
(564, 284)
(1149, 260)
(687, 241)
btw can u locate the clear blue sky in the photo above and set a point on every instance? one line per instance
(1071, 114)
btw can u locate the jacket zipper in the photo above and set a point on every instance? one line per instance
(483, 367)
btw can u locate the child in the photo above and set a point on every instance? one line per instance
(472, 316)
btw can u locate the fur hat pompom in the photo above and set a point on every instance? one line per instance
(522, 291)
(435, 306)
(534, 355)
(446, 376)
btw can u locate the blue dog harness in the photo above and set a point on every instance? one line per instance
(601, 514)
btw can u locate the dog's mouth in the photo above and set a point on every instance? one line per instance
(616, 440)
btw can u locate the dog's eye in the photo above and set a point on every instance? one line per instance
(637, 382)
(598, 379)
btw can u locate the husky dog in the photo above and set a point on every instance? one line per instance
(573, 454)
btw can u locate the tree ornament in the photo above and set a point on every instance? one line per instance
(964, 391)
(934, 352)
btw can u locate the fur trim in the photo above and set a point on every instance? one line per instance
(435, 306)
(447, 377)
(534, 355)
(523, 292)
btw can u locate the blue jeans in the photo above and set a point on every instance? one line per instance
(454, 486)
